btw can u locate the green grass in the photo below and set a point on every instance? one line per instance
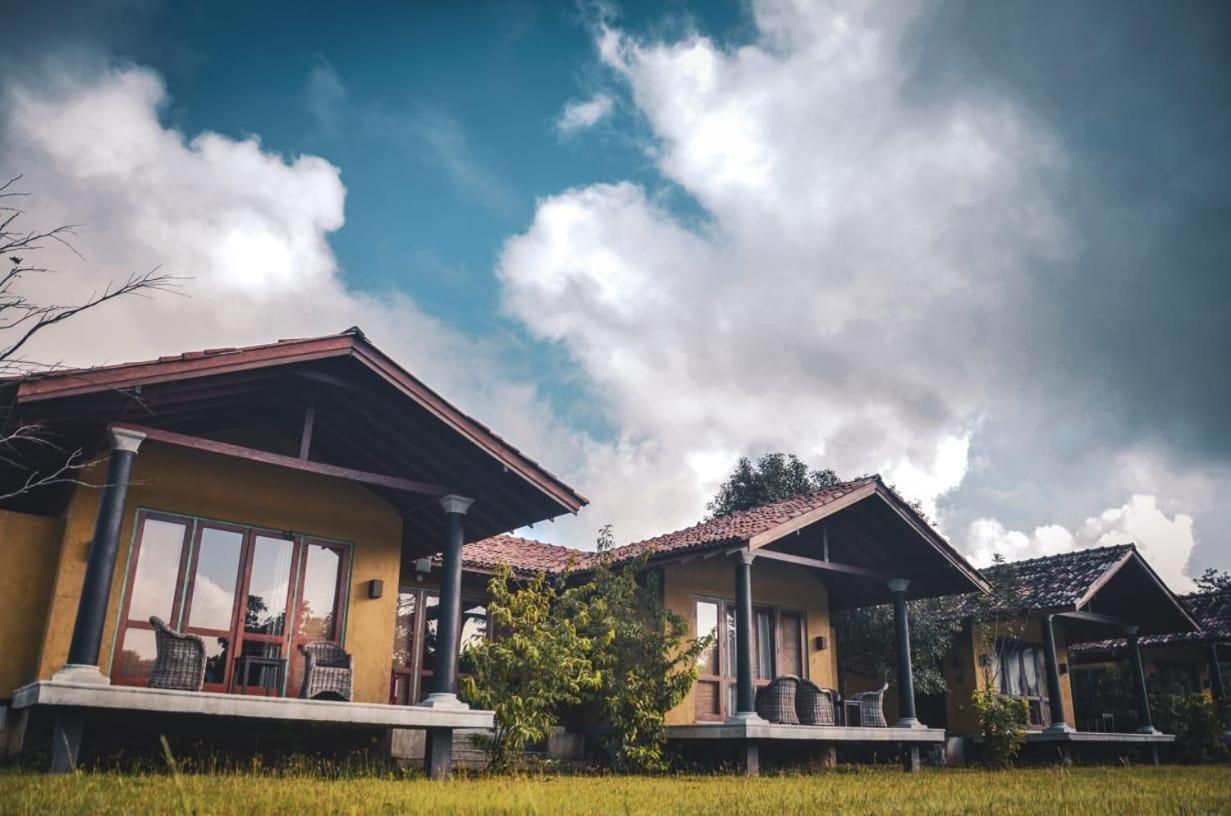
(1100, 790)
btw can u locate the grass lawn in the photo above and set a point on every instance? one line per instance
(1109, 790)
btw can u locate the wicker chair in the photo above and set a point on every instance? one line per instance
(180, 661)
(327, 671)
(776, 702)
(814, 705)
(871, 707)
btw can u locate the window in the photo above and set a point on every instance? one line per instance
(414, 643)
(235, 587)
(1021, 675)
(778, 648)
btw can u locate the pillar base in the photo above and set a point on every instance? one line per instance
(746, 717)
(81, 673)
(1060, 728)
(442, 700)
(909, 722)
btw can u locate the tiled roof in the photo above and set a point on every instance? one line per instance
(740, 526)
(1211, 611)
(522, 555)
(1054, 581)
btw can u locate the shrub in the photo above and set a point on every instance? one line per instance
(643, 663)
(1002, 724)
(1199, 725)
(538, 662)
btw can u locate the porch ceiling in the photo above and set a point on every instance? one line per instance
(1132, 592)
(878, 538)
(369, 415)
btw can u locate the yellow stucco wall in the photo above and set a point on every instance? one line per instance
(29, 547)
(773, 584)
(190, 482)
(963, 675)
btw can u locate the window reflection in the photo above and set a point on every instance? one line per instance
(158, 567)
(404, 630)
(137, 653)
(319, 595)
(265, 611)
(474, 631)
(431, 614)
(213, 587)
(707, 624)
(216, 650)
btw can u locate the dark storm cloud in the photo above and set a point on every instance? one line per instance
(1127, 341)
(1139, 93)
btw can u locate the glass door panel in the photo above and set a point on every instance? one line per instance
(427, 659)
(269, 579)
(401, 686)
(212, 591)
(318, 604)
(158, 568)
(153, 590)
(707, 693)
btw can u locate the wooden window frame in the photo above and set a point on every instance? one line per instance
(1019, 646)
(415, 674)
(726, 678)
(124, 623)
(190, 550)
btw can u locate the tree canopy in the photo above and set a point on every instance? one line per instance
(773, 477)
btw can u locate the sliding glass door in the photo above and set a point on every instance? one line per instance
(237, 588)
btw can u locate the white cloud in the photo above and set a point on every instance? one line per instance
(249, 229)
(579, 114)
(858, 253)
(1165, 542)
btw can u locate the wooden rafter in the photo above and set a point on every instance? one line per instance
(278, 460)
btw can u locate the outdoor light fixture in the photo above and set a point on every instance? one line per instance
(376, 588)
(422, 567)
(1064, 668)
(821, 643)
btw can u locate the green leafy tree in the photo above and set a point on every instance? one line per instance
(644, 662)
(1213, 580)
(538, 662)
(867, 647)
(774, 477)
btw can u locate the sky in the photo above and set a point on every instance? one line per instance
(979, 248)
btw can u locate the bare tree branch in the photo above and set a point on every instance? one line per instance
(22, 318)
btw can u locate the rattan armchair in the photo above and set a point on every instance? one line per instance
(327, 672)
(776, 702)
(180, 659)
(871, 707)
(814, 705)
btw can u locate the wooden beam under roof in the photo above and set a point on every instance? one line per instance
(278, 460)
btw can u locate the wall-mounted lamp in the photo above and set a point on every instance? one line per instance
(1064, 668)
(422, 567)
(376, 588)
(821, 643)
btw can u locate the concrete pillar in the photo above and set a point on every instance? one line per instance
(1144, 724)
(444, 680)
(1054, 701)
(83, 651)
(906, 676)
(745, 687)
(1217, 689)
(438, 753)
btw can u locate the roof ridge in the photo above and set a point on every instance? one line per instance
(748, 511)
(1068, 554)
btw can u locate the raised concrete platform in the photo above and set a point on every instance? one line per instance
(91, 695)
(810, 733)
(1103, 737)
